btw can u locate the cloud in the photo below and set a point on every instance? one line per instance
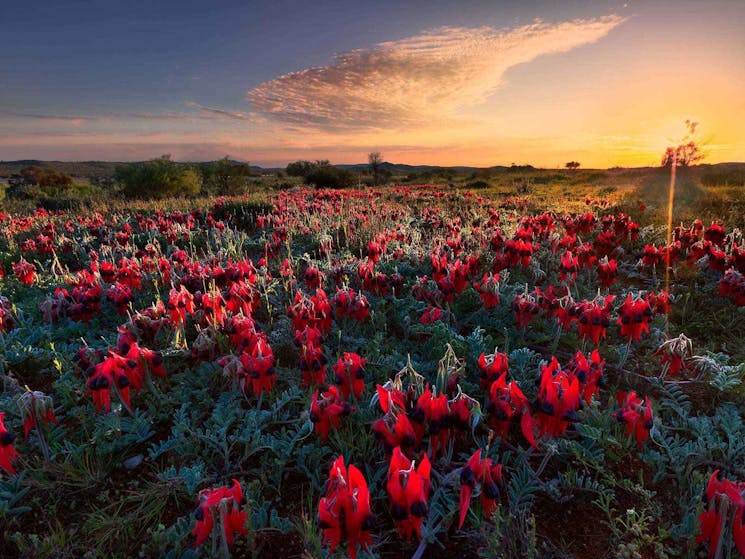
(218, 113)
(200, 112)
(428, 78)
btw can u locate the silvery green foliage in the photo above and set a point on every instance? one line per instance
(11, 494)
(191, 476)
(716, 367)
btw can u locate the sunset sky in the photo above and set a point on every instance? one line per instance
(435, 82)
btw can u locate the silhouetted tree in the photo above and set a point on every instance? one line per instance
(573, 165)
(328, 176)
(375, 159)
(302, 168)
(687, 153)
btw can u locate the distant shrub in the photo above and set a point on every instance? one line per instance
(225, 177)
(45, 177)
(24, 191)
(328, 176)
(303, 168)
(158, 178)
(477, 185)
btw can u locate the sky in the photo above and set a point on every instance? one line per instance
(465, 82)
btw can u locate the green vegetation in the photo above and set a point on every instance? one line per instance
(159, 178)
(225, 177)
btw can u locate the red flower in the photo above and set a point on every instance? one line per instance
(326, 412)
(100, 380)
(120, 295)
(312, 311)
(558, 400)
(568, 267)
(594, 318)
(222, 508)
(36, 406)
(607, 271)
(180, 303)
(588, 371)
(408, 491)
(488, 290)
(491, 367)
(652, 256)
(431, 315)
(435, 410)
(7, 316)
(732, 285)
(258, 366)
(312, 365)
(214, 308)
(673, 354)
(394, 429)
(129, 273)
(312, 277)
(7, 452)
(633, 317)
(723, 499)
(519, 251)
(525, 308)
(350, 374)
(484, 472)
(715, 234)
(507, 401)
(636, 414)
(25, 272)
(345, 509)
(348, 303)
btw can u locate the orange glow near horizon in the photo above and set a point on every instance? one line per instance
(605, 91)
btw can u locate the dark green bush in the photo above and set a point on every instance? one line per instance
(158, 178)
(328, 176)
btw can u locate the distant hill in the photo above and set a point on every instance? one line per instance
(103, 169)
(73, 168)
(106, 168)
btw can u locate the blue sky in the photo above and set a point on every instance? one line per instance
(129, 80)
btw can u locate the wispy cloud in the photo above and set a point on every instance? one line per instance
(45, 117)
(416, 81)
(218, 113)
(198, 112)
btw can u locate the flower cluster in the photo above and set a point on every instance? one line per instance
(636, 414)
(408, 487)
(723, 500)
(220, 511)
(483, 472)
(344, 512)
(8, 453)
(326, 411)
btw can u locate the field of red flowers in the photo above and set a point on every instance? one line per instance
(413, 371)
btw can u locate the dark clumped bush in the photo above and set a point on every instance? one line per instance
(158, 178)
(328, 176)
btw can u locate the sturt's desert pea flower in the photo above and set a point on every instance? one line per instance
(8, 453)
(344, 512)
(479, 472)
(221, 512)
